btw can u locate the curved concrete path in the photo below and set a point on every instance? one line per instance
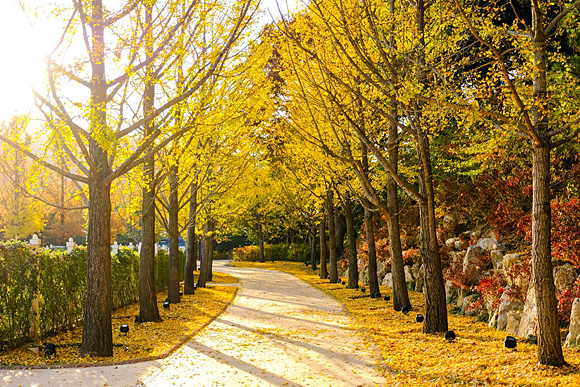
(279, 331)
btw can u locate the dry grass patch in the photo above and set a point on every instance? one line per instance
(410, 357)
(146, 340)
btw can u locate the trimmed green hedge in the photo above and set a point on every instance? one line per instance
(59, 278)
(294, 252)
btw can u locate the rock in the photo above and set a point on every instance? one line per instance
(513, 322)
(449, 224)
(454, 243)
(388, 280)
(573, 338)
(492, 320)
(505, 307)
(502, 247)
(364, 275)
(509, 260)
(450, 290)
(382, 271)
(461, 294)
(471, 263)
(529, 321)
(420, 278)
(487, 244)
(564, 276)
(497, 259)
(409, 274)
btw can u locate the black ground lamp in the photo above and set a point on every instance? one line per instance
(510, 342)
(419, 318)
(180, 293)
(450, 336)
(363, 290)
(49, 350)
(166, 305)
(124, 329)
(387, 298)
(344, 283)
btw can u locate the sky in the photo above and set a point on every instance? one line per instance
(22, 49)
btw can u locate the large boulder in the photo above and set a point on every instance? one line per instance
(450, 290)
(497, 259)
(573, 338)
(529, 321)
(510, 260)
(487, 244)
(388, 280)
(513, 322)
(454, 243)
(449, 224)
(505, 307)
(471, 263)
(564, 276)
(382, 270)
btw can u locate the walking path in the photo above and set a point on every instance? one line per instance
(278, 332)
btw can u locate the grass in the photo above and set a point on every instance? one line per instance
(144, 341)
(410, 357)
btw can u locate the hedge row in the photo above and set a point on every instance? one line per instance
(59, 278)
(295, 252)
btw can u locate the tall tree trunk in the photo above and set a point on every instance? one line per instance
(435, 305)
(323, 249)
(340, 224)
(313, 247)
(351, 236)
(400, 293)
(261, 240)
(211, 248)
(173, 209)
(331, 237)
(97, 330)
(148, 309)
(97, 327)
(372, 254)
(205, 258)
(549, 342)
(190, 246)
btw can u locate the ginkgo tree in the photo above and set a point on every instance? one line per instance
(100, 121)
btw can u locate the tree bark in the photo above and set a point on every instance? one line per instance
(205, 261)
(340, 224)
(173, 209)
(400, 293)
(148, 309)
(261, 240)
(97, 329)
(549, 342)
(191, 245)
(313, 247)
(331, 237)
(323, 249)
(372, 253)
(351, 236)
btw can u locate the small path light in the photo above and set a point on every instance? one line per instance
(180, 293)
(419, 318)
(362, 290)
(387, 298)
(344, 283)
(405, 309)
(124, 329)
(510, 342)
(450, 336)
(166, 305)
(49, 350)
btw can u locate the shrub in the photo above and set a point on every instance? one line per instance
(295, 252)
(246, 253)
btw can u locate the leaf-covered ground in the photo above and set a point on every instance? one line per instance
(146, 340)
(410, 357)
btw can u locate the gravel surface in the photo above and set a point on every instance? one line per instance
(279, 331)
